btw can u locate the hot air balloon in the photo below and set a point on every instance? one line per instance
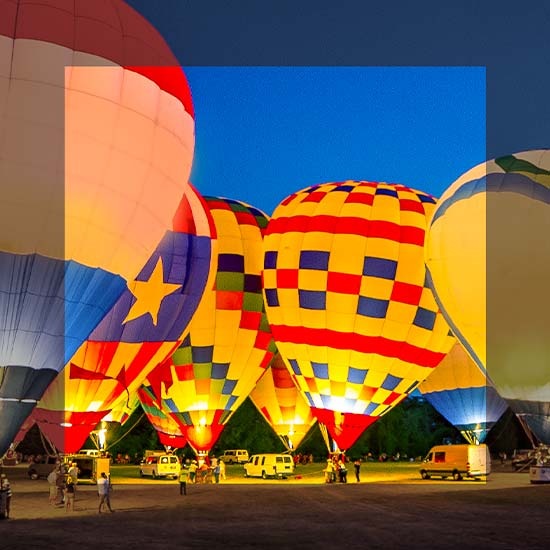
(488, 258)
(167, 428)
(459, 391)
(98, 139)
(344, 285)
(282, 405)
(229, 344)
(143, 328)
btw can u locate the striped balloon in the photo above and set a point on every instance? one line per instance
(143, 328)
(98, 140)
(344, 285)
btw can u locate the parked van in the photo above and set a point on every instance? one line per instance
(235, 456)
(269, 465)
(164, 465)
(89, 452)
(458, 461)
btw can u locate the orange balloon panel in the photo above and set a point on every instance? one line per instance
(279, 401)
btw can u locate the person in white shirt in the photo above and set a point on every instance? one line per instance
(104, 491)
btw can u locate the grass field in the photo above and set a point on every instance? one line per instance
(374, 471)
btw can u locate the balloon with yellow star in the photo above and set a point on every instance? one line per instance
(143, 328)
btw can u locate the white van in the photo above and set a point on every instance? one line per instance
(89, 452)
(269, 465)
(458, 461)
(235, 456)
(164, 465)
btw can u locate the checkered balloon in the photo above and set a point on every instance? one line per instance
(347, 302)
(229, 344)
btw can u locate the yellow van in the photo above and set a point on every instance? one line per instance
(457, 461)
(269, 465)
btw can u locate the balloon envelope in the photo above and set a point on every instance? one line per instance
(144, 327)
(98, 139)
(458, 389)
(488, 258)
(344, 284)
(229, 344)
(282, 405)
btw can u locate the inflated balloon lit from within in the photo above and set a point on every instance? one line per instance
(459, 390)
(282, 405)
(488, 258)
(98, 139)
(167, 428)
(344, 285)
(142, 329)
(229, 344)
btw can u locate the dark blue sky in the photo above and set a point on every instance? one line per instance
(263, 133)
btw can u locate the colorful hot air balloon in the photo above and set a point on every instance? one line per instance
(344, 284)
(167, 428)
(143, 328)
(229, 344)
(282, 405)
(458, 389)
(98, 139)
(488, 258)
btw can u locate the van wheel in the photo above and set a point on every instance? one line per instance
(457, 476)
(264, 475)
(424, 474)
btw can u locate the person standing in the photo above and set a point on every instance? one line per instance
(342, 471)
(69, 496)
(184, 474)
(72, 474)
(104, 491)
(52, 481)
(5, 488)
(5, 493)
(193, 471)
(216, 472)
(357, 467)
(72, 477)
(221, 464)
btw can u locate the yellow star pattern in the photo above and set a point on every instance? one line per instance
(149, 294)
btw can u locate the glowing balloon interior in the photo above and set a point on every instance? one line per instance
(459, 390)
(98, 142)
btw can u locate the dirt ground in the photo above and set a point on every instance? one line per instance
(405, 512)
